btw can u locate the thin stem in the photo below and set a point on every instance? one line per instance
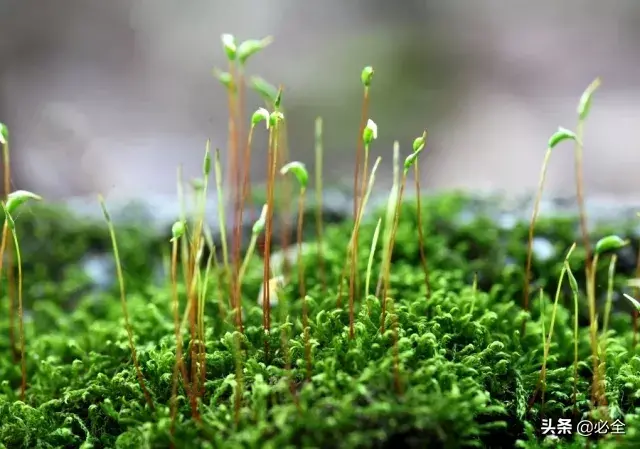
(240, 180)
(580, 193)
(6, 160)
(176, 320)
(123, 301)
(222, 221)
(534, 217)
(387, 268)
(247, 257)
(598, 397)
(286, 198)
(3, 246)
(271, 165)
(23, 356)
(301, 282)
(318, 173)
(356, 193)
(423, 257)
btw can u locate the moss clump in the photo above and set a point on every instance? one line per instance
(467, 373)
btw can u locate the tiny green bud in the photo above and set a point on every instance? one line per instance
(17, 198)
(275, 118)
(4, 134)
(633, 301)
(258, 226)
(610, 243)
(267, 91)
(584, 106)
(251, 47)
(197, 184)
(229, 45)
(370, 132)
(299, 171)
(177, 230)
(560, 135)
(206, 164)
(260, 115)
(226, 79)
(366, 76)
(410, 160)
(419, 142)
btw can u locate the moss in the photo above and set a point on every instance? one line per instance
(467, 376)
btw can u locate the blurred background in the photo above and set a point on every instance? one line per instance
(110, 96)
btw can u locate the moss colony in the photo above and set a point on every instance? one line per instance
(466, 374)
(170, 351)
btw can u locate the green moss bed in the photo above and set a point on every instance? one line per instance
(467, 373)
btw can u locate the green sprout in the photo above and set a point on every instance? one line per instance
(14, 200)
(408, 163)
(418, 146)
(123, 300)
(260, 115)
(369, 134)
(547, 345)
(351, 249)
(275, 119)
(604, 245)
(559, 136)
(226, 79)
(250, 47)
(610, 243)
(178, 230)
(367, 76)
(229, 46)
(298, 170)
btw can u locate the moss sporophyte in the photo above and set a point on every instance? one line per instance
(446, 355)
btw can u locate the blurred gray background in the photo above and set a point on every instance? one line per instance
(110, 96)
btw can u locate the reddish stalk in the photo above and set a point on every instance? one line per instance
(287, 193)
(357, 196)
(266, 303)
(423, 257)
(235, 106)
